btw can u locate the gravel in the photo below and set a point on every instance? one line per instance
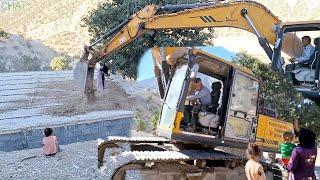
(75, 161)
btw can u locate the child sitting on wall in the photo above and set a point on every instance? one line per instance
(50, 142)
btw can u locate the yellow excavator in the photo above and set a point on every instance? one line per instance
(236, 121)
(216, 148)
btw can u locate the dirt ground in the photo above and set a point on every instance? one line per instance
(73, 101)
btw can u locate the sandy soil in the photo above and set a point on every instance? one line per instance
(73, 101)
(116, 96)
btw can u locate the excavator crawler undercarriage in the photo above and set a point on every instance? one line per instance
(159, 158)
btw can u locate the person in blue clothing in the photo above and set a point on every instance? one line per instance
(301, 61)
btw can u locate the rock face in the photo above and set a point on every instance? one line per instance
(19, 54)
(57, 23)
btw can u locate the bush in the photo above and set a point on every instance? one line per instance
(3, 34)
(149, 102)
(154, 118)
(60, 63)
(2, 65)
(140, 124)
(27, 63)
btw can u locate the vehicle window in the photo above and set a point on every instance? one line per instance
(245, 95)
(170, 106)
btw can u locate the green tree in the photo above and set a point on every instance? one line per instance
(2, 64)
(279, 94)
(109, 15)
(149, 102)
(154, 118)
(60, 63)
(140, 124)
(27, 63)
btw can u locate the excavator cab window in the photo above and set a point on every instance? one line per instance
(170, 105)
(241, 119)
(237, 111)
(214, 75)
(235, 116)
(208, 117)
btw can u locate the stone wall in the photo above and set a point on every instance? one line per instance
(71, 133)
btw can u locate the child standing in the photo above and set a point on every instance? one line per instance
(254, 170)
(50, 142)
(287, 147)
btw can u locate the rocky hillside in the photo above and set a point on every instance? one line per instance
(57, 23)
(20, 54)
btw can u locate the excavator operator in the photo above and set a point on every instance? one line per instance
(203, 97)
(302, 61)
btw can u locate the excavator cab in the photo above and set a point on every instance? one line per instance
(235, 118)
(306, 73)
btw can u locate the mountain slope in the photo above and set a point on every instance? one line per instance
(20, 54)
(57, 23)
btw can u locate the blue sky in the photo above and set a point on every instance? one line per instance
(145, 67)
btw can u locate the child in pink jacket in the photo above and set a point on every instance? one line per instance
(50, 142)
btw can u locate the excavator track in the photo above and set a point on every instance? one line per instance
(157, 163)
(123, 139)
(163, 163)
(184, 155)
(114, 141)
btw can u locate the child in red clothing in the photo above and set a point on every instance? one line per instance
(287, 147)
(50, 142)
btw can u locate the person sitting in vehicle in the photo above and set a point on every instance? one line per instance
(203, 97)
(215, 95)
(301, 61)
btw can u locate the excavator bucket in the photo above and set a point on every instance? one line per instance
(80, 72)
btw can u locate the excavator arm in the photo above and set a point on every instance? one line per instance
(247, 15)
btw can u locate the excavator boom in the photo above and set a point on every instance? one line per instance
(246, 15)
